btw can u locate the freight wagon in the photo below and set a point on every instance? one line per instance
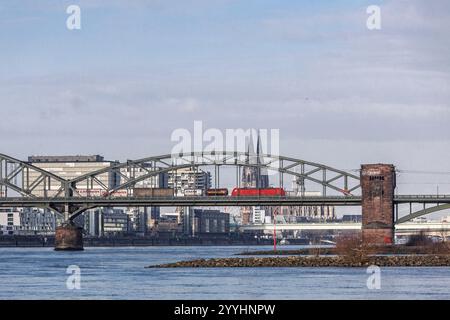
(153, 192)
(193, 192)
(115, 194)
(217, 192)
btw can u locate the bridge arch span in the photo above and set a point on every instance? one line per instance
(423, 212)
(326, 176)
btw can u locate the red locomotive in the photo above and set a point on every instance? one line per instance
(255, 192)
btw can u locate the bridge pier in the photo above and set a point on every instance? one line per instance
(378, 183)
(68, 237)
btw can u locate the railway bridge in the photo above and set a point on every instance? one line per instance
(23, 184)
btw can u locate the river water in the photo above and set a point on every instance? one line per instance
(120, 273)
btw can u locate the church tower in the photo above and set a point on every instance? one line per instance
(253, 176)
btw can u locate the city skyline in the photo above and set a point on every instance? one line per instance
(221, 152)
(314, 71)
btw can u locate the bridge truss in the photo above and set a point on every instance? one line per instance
(47, 190)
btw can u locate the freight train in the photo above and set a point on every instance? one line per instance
(221, 192)
(153, 192)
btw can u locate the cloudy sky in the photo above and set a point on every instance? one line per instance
(137, 70)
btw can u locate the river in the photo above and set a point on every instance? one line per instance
(120, 273)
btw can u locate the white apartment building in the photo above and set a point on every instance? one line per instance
(9, 221)
(190, 179)
(259, 215)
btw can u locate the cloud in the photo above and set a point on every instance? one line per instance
(184, 105)
(339, 93)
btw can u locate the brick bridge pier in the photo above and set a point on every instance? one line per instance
(378, 183)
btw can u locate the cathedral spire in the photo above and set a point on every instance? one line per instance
(254, 176)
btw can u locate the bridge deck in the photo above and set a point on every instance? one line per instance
(212, 201)
(404, 227)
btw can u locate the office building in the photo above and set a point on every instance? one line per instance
(70, 167)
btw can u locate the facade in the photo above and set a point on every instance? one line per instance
(311, 213)
(38, 221)
(70, 167)
(106, 222)
(186, 180)
(259, 215)
(93, 222)
(115, 222)
(200, 222)
(351, 218)
(9, 221)
(27, 221)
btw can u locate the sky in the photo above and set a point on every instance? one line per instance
(339, 93)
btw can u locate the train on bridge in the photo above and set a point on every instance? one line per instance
(219, 192)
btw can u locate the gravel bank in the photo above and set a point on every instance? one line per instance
(314, 261)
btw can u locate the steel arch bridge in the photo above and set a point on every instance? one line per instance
(65, 196)
(327, 177)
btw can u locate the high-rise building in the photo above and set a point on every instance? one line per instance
(186, 180)
(93, 222)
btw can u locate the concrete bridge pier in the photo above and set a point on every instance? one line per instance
(378, 182)
(69, 237)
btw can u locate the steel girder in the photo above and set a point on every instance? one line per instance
(15, 175)
(423, 212)
(328, 177)
(11, 168)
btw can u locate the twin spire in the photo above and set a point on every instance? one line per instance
(253, 176)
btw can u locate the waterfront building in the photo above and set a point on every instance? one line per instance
(115, 222)
(201, 222)
(9, 221)
(93, 222)
(36, 221)
(27, 221)
(106, 222)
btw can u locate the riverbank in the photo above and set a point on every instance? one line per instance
(314, 261)
(394, 250)
(48, 241)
